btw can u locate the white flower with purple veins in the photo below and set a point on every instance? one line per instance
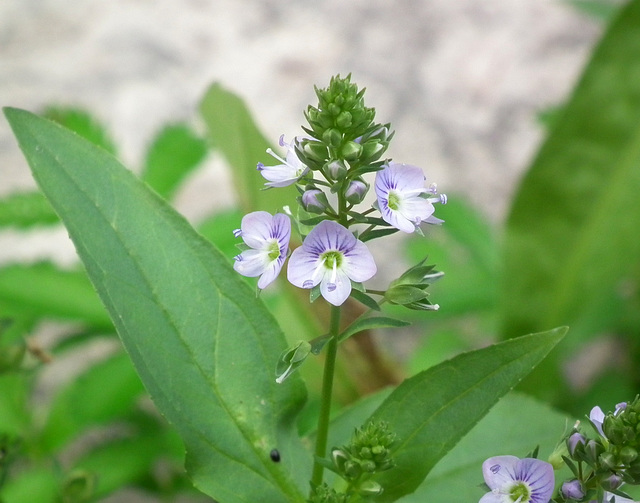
(287, 173)
(514, 480)
(267, 237)
(332, 257)
(402, 197)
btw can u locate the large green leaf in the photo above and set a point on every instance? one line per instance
(516, 426)
(232, 130)
(433, 410)
(204, 346)
(571, 238)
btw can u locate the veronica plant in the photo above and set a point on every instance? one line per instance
(205, 345)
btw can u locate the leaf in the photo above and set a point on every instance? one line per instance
(82, 123)
(363, 324)
(100, 404)
(233, 131)
(44, 290)
(174, 153)
(204, 346)
(571, 236)
(516, 425)
(431, 411)
(26, 209)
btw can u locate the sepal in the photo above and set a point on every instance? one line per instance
(291, 359)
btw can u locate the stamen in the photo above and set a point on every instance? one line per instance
(260, 166)
(442, 199)
(238, 258)
(331, 286)
(281, 141)
(273, 154)
(433, 188)
(237, 233)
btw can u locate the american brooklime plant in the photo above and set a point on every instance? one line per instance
(216, 363)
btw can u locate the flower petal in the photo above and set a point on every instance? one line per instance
(596, 416)
(499, 470)
(271, 273)
(539, 476)
(256, 228)
(251, 263)
(340, 293)
(302, 266)
(359, 263)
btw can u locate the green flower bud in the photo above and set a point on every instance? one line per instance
(370, 488)
(337, 170)
(314, 201)
(351, 151)
(628, 454)
(368, 466)
(356, 191)
(291, 359)
(344, 120)
(315, 151)
(608, 460)
(332, 137)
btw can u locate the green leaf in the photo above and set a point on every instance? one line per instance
(100, 404)
(34, 484)
(26, 209)
(44, 290)
(363, 324)
(571, 237)
(516, 425)
(204, 346)
(174, 153)
(82, 123)
(431, 411)
(233, 131)
(599, 9)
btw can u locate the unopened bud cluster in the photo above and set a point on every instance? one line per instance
(369, 452)
(602, 465)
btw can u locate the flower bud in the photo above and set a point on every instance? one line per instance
(356, 191)
(612, 482)
(372, 151)
(332, 137)
(592, 450)
(572, 490)
(344, 120)
(337, 170)
(608, 460)
(574, 442)
(315, 150)
(628, 454)
(351, 151)
(370, 488)
(314, 201)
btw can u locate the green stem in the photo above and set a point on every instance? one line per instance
(327, 391)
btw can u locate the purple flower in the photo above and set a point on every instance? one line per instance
(402, 197)
(287, 173)
(514, 480)
(596, 416)
(267, 236)
(332, 257)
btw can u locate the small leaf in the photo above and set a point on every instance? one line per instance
(174, 153)
(361, 325)
(82, 123)
(26, 209)
(365, 299)
(433, 410)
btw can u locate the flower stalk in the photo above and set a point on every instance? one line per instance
(326, 397)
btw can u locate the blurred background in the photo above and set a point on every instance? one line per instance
(471, 88)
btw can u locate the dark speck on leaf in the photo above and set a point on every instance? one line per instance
(275, 456)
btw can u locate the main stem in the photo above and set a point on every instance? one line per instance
(327, 391)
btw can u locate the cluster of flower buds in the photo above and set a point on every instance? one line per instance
(602, 465)
(410, 289)
(368, 453)
(327, 166)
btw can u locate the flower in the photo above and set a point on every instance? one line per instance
(287, 173)
(332, 257)
(596, 416)
(268, 239)
(514, 480)
(401, 197)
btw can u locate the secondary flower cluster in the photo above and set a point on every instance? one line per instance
(327, 167)
(600, 465)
